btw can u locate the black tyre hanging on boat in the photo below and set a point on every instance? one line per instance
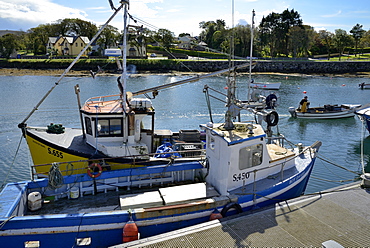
(272, 118)
(229, 206)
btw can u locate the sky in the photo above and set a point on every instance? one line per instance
(184, 16)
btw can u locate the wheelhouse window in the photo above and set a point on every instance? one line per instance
(88, 125)
(250, 156)
(109, 127)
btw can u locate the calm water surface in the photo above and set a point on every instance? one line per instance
(184, 107)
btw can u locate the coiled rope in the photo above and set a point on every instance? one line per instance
(55, 176)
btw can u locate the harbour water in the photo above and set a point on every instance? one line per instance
(184, 107)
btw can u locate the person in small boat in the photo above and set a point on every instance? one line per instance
(362, 85)
(304, 104)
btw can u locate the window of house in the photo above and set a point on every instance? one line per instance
(109, 127)
(250, 156)
(82, 44)
(76, 45)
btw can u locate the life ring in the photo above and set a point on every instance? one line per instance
(229, 206)
(272, 119)
(92, 169)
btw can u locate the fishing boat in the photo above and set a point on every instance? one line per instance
(245, 166)
(364, 114)
(326, 112)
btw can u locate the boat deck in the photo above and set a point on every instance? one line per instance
(335, 219)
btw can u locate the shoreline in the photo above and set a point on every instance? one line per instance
(83, 73)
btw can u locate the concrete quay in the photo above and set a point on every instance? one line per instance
(338, 217)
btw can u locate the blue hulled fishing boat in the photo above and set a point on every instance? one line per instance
(241, 166)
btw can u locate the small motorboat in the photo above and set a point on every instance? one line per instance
(326, 112)
(265, 86)
(364, 114)
(364, 86)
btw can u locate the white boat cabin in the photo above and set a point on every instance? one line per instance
(116, 130)
(244, 150)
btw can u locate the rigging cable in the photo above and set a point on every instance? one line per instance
(11, 166)
(155, 28)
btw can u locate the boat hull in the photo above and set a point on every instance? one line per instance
(72, 161)
(265, 86)
(104, 229)
(326, 112)
(75, 156)
(364, 112)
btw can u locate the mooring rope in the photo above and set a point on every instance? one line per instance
(2, 224)
(332, 163)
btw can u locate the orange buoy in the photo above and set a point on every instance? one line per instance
(130, 232)
(215, 215)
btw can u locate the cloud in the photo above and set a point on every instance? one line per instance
(25, 14)
(332, 15)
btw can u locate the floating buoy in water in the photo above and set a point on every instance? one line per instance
(304, 92)
(343, 85)
(130, 231)
(215, 215)
(226, 87)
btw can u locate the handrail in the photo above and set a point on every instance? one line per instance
(123, 157)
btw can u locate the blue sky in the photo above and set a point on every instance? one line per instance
(183, 16)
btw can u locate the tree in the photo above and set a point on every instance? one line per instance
(165, 36)
(298, 41)
(269, 32)
(242, 40)
(274, 30)
(327, 38)
(39, 37)
(357, 33)
(76, 27)
(365, 40)
(208, 33)
(8, 45)
(342, 40)
(289, 19)
(109, 37)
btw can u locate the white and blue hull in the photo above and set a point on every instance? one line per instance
(364, 112)
(106, 228)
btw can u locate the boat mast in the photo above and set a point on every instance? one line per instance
(231, 99)
(124, 48)
(250, 55)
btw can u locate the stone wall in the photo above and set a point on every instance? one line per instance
(305, 67)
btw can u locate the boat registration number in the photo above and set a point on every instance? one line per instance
(240, 176)
(55, 153)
